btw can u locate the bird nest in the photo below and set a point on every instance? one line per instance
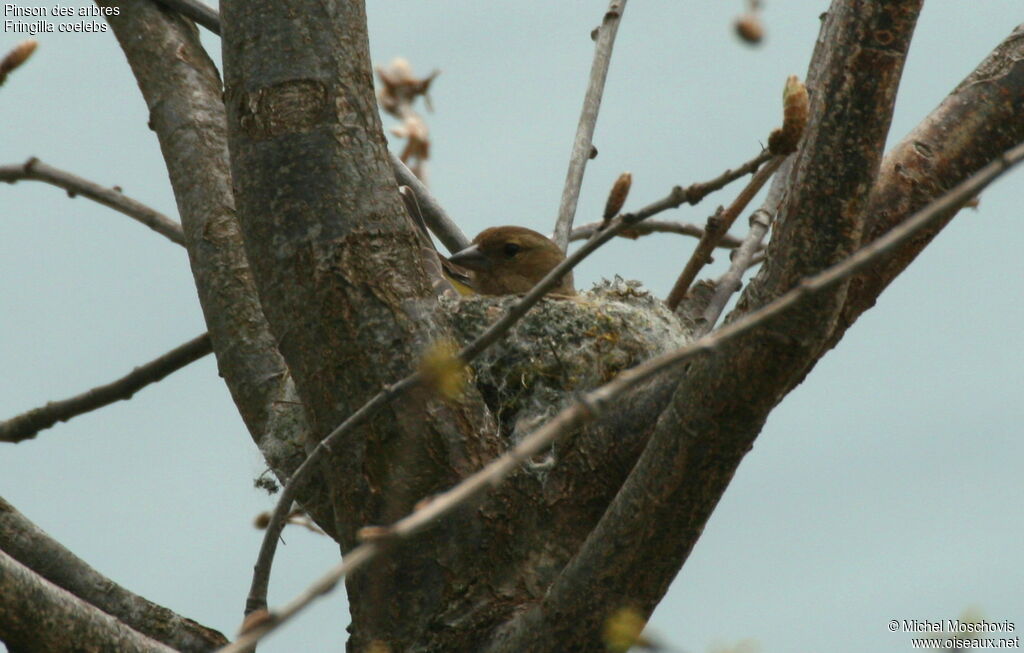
(561, 348)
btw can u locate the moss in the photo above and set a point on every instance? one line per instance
(561, 348)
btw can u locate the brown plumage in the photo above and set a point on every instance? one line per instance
(510, 261)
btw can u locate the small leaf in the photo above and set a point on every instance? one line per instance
(442, 369)
(622, 629)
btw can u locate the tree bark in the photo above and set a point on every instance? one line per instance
(36, 616)
(337, 268)
(182, 89)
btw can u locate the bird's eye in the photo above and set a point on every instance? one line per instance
(511, 249)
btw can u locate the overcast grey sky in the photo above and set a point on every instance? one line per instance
(888, 486)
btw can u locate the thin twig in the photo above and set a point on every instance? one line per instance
(36, 170)
(436, 218)
(203, 14)
(694, 193)
(648, 227)
(718, 226)
(728, 283)
(676, 197)
(743, 256)
(590, 405)
(39, 616)
(583, 144)
(28, 424)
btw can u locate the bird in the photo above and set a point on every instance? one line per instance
(505, 260)
(510, 260)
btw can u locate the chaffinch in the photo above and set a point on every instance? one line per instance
(509, 261)
(501, 261)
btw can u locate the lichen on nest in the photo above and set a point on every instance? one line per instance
(561, 348)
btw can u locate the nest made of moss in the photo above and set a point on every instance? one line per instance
(562, 347)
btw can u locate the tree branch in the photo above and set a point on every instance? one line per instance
(676, 197)
(853, 80)
(718, 226)
(433, 214)
(978, 120)
(36, 170)
(39, 617)
(585, 231)
(28, 424)
(429, 513)
(26, 543)
(583, 144)
(728, 283)
(743, 256)
(197, 11)
(182, 90)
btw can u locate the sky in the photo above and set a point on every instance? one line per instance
(886, 487)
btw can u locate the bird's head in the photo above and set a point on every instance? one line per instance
(511, 260)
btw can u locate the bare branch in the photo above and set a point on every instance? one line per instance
(28, 424)
(37, 551)
(719, 225)
(647, 227)
(583, 144)
(692, 194)
(728, 283)
(853, 77)
(197, 11)
(433, 214)
(36, 170)
(39, 616)
(594, 402)
(743, 256)
(717, 410)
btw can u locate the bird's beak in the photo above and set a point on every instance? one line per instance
(471, 258)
